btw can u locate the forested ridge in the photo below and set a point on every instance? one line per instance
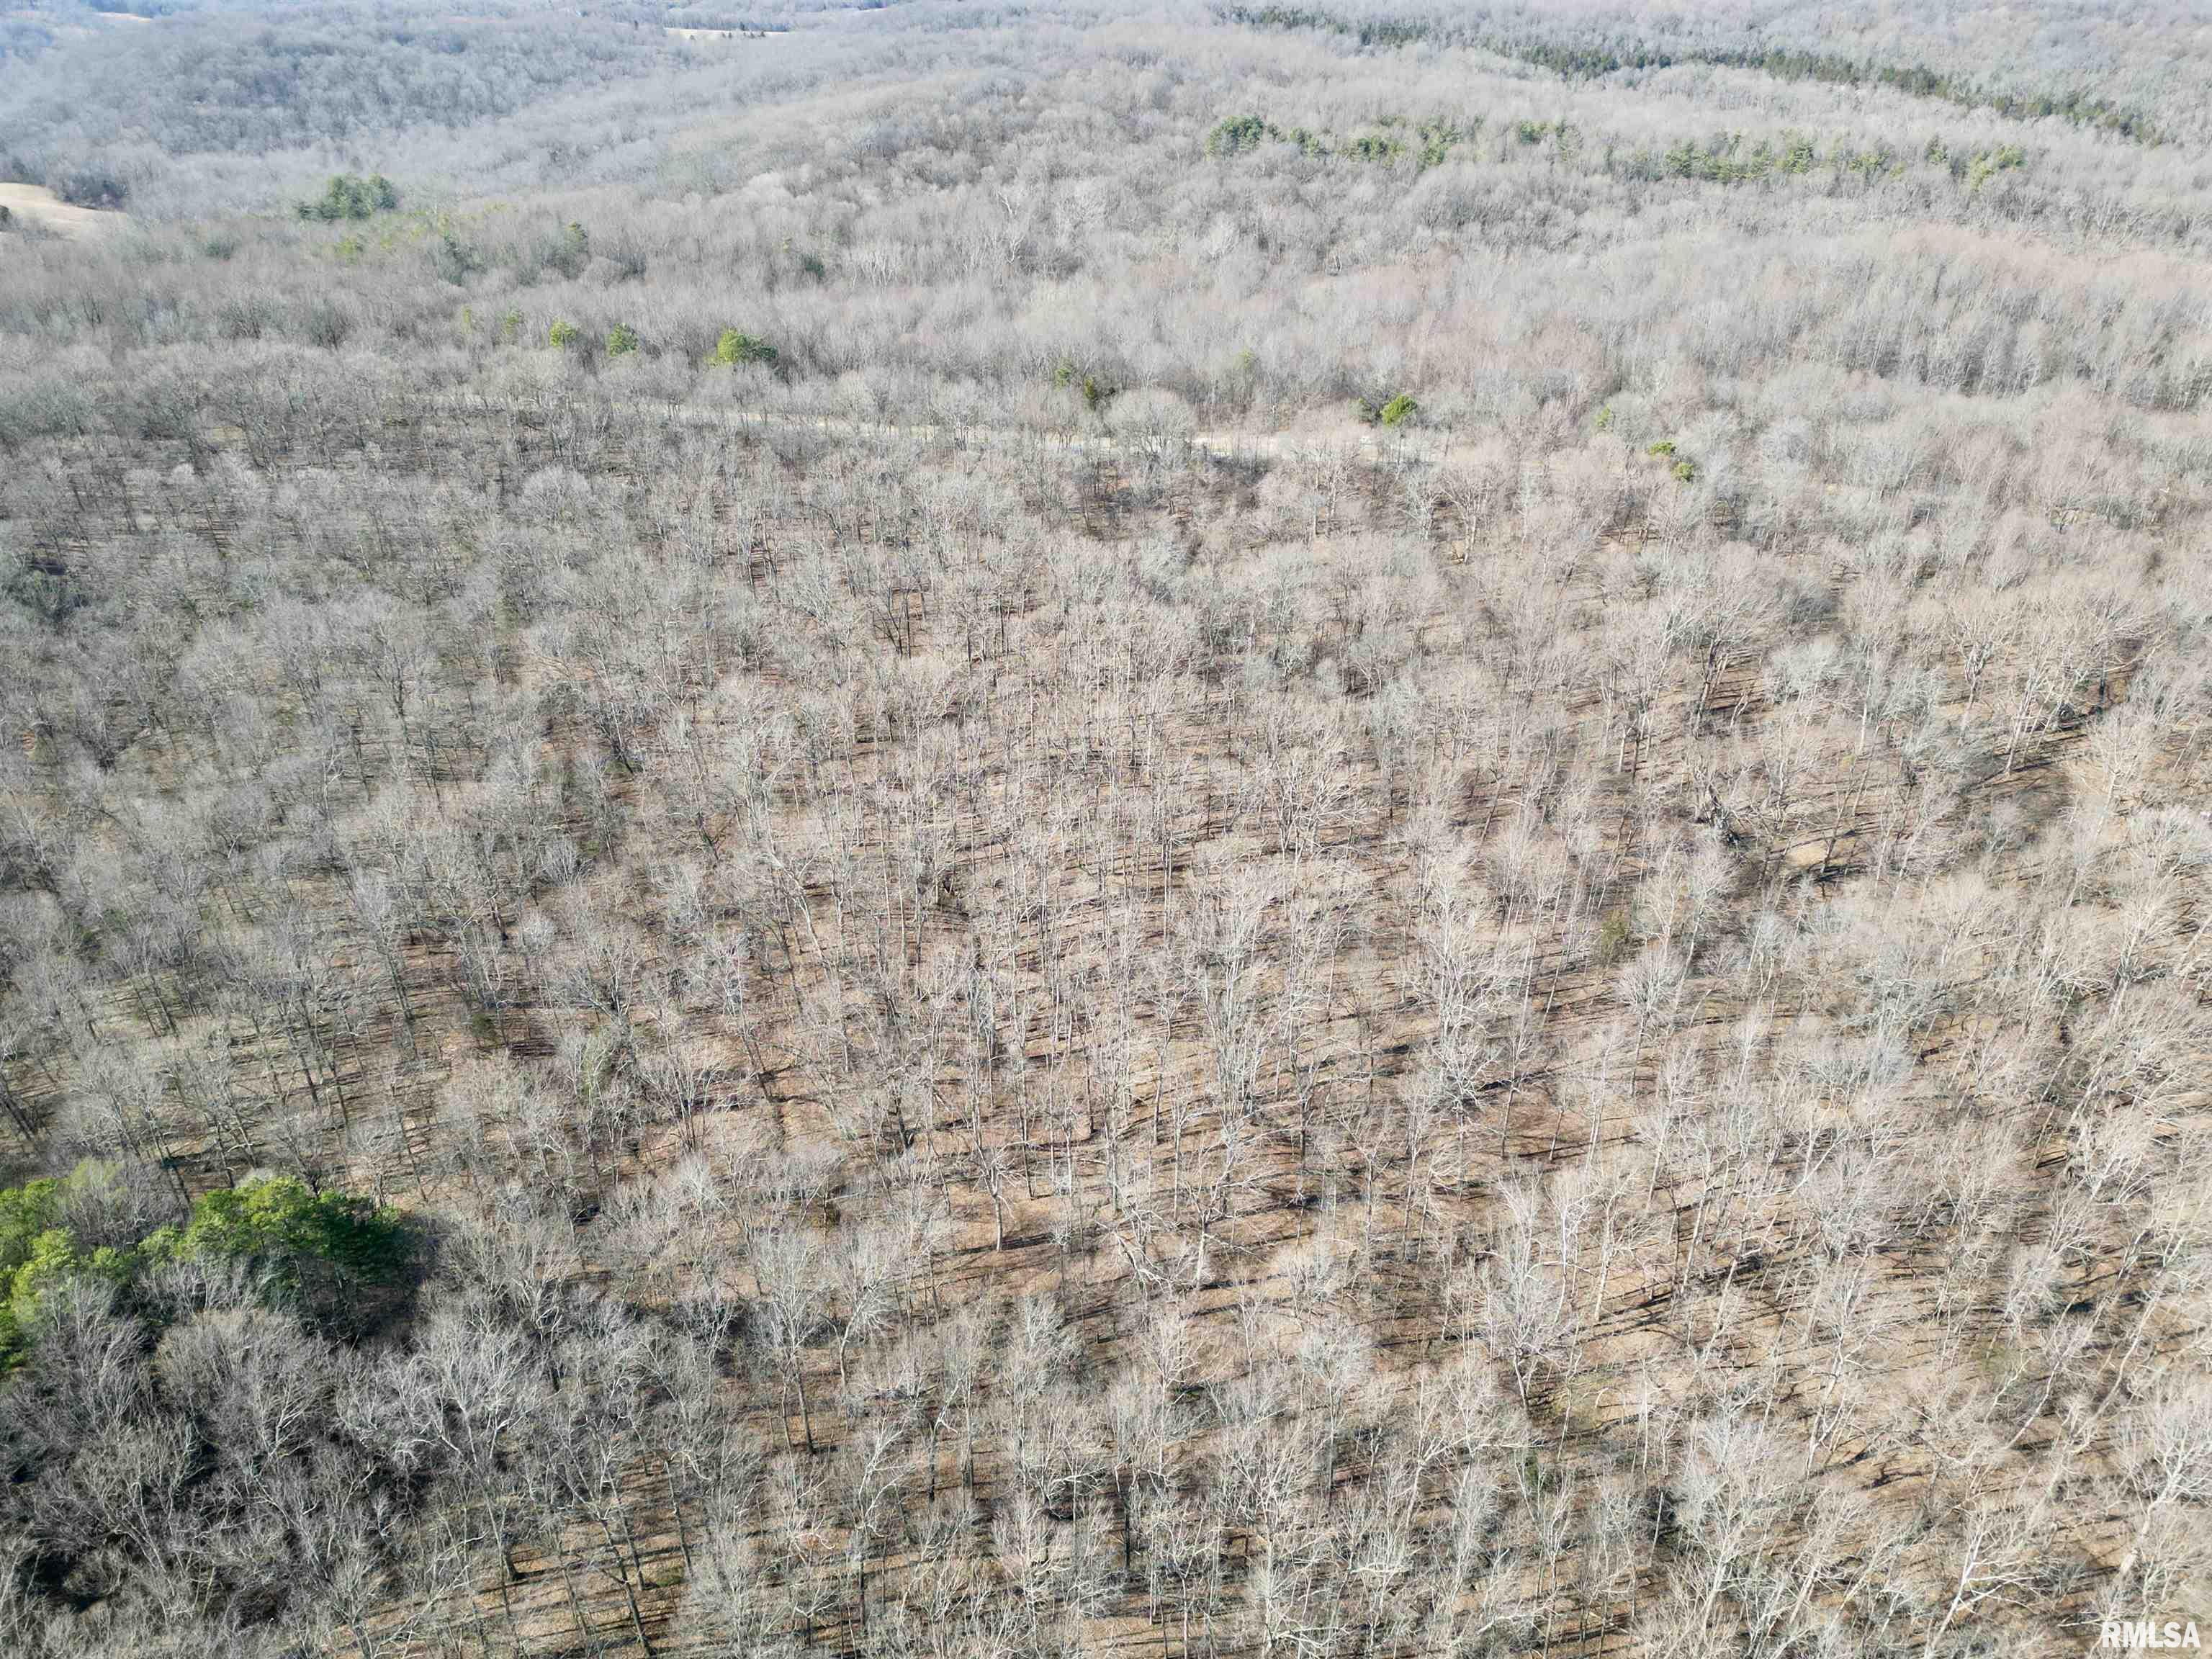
(1053, 829)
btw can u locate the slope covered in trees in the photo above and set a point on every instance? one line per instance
(1078, 829)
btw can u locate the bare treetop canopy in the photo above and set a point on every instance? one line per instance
(1327, 829)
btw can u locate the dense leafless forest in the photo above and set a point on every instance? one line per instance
(1318, 828)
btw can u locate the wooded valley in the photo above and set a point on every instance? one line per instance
(1025, 830)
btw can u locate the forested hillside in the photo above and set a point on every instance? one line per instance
(1341, 829)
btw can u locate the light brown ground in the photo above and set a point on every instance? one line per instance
(40, 206)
